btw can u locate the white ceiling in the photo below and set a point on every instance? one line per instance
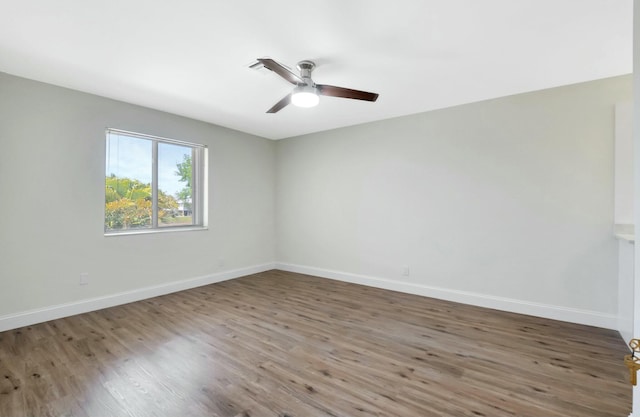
(191, 57)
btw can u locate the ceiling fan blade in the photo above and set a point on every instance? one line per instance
(281, 104)
(281, 70)
(333, 91)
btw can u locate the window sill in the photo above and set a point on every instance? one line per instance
(154, 231)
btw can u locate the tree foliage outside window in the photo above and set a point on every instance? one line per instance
(185, 172)
(128, 204)
(149, 183)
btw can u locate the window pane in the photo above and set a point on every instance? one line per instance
(175, 185)
(152, 183)
(128, 191)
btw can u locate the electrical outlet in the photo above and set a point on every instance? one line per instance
(84, 278)
(405, 271)
(221, 263)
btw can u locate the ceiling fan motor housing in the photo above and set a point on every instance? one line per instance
(305, 68)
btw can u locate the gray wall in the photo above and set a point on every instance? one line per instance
(52, 207)
(509, 199)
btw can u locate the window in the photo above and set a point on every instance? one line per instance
(152, 183)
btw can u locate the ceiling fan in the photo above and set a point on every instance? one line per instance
(306, 92)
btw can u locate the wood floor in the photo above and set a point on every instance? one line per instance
(284, 344)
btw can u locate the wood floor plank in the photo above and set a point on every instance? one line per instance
(285, 344)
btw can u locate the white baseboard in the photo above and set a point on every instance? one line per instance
(591, 318)
(572, 315)
(27, 318)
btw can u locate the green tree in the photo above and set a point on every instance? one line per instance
(167, 205)
(118, 188)
(185, 172)
(128, 203)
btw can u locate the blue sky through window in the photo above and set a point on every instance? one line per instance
(131, 157)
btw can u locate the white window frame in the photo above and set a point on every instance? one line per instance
(199, 156)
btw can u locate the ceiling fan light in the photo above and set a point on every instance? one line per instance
(305, 96)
